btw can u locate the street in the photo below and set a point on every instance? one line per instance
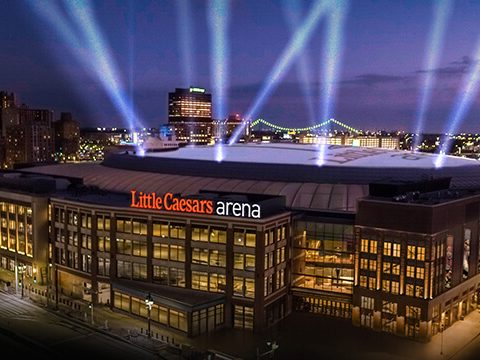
(26, 329)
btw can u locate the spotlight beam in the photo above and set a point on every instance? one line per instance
(107, 70)
(292, 12)
(442, 12)
(218, 16)
(296, 44)
(332, 57)
(184, 28)
(463, 101)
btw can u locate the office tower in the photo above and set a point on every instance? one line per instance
(190, 113)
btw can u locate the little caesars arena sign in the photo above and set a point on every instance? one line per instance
(171, 202)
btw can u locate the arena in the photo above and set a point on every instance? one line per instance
(376, 236)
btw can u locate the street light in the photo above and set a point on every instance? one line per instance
(21, 269)
(149, 303)
(90, 306)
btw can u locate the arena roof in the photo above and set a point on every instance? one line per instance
(298, 195)
(335, 155)
(288, 170)
(298, 163)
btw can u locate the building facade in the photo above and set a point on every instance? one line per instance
(67, 137)
(252, 242)
(190, 114)
(421, 272)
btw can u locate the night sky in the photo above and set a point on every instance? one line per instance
(378, 84)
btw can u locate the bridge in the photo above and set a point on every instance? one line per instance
(259, 122)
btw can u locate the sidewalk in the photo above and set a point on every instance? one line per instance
(455, 338)
(167, 344)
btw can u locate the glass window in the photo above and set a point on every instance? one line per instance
(177, 231)
(139, 271)
(413, 312)
(238, 261)
(249, 262)
(420, 253)
(177, 253)
(139, 248)
(217, 282)
(409, 290)
(217, 258)
(395, 287)
(199, 233)
(200, 256)
(160, 229)
(250, 239)
(239, 238)
(367, 302)
(410, 252)
(387, 248)
(163, 251)
(218, 235)
(395, 269)
(364, 245)
(396, 250)
(411, 271)
(373, 246)
(200, 280)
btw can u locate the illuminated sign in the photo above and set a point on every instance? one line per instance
(171, 202)
(197, 90)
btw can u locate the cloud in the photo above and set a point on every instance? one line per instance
(374, 79)
(454, 68)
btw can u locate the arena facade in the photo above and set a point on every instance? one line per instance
(379, 237)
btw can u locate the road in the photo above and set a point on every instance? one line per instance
(29, 330)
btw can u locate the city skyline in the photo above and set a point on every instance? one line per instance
(378, 82)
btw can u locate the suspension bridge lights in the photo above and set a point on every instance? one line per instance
(21, 268)
(149, 303)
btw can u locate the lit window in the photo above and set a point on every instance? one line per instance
(411, 252)
(387, 249)
(396, 250)
(373, 246)
(364, 245)
(420, 253)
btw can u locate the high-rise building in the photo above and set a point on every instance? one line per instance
(28, 137)
(190, 113)
(26, 134)
(67, 137)
(7, 100)
(224, 128)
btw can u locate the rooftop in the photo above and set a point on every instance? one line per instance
(296, 154)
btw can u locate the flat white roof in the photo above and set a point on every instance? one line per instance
(298, 154)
